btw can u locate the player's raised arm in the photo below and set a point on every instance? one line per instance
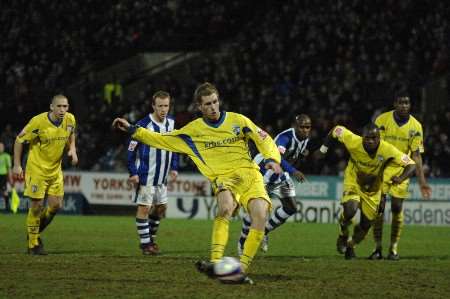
(175, 141)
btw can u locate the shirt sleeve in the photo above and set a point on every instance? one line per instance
(178, 141)
(282, 143)
(399, 158)
(133, 146)
(174, 162)
(417, 140)
(287, 166)
(344, 135)
(30, 132)
(265, 144)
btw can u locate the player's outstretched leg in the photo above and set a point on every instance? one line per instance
(278, 218)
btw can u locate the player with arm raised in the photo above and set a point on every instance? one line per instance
(292, 144)
(217, 144)
(363, 179)
(148, 168)
(401, 129)
(48, 135)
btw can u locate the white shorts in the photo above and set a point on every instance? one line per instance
(281, 190)
(151, 195)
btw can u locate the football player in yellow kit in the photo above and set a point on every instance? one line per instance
(404, 131)
(217, 144)
(48, 135)
(363, 179)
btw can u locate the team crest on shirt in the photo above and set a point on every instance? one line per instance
(236, 129)
(34, 188)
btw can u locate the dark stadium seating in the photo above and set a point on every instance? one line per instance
(338, 61)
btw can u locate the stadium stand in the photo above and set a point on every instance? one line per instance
(338, 61)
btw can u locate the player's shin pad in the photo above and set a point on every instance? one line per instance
(396, 229)
(219, 238)
(251, 247)
(33, 222)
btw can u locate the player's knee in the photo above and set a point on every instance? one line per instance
(349, 210)
(161, 210)
(290, 207)
(143, 210)
(225, 210)
(56, 206)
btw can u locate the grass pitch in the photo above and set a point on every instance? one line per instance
(98, 257)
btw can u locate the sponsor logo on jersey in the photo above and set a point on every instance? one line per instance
(224, 142)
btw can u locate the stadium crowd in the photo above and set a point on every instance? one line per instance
(338, 61)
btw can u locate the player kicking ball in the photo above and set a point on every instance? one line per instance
(217, 144)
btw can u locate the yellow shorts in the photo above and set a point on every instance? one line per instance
(398, 191)
(369, 202)
(244, 184)
(37, 186)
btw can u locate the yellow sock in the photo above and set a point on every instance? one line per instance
(219, 238)
(378, 231)
(396, 230)
(33, 222)
(251, 246)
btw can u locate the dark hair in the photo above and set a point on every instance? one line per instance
(204, 89)
(160, 94)
(401, 93)
(370, 127)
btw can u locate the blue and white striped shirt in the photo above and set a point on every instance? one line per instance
(290, 148)
(151, 164)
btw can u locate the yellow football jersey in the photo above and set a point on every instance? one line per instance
(216, 148)
(407, 138)
(362, 169)
(47, 143)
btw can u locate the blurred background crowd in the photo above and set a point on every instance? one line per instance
(338, 61)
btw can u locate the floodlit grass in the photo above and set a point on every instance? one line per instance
(98, 257)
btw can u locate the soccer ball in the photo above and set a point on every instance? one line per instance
(228, 269)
